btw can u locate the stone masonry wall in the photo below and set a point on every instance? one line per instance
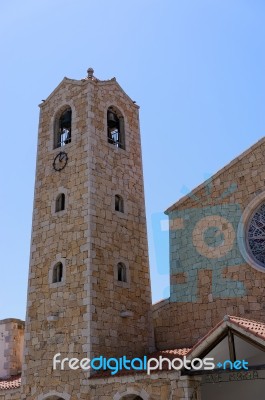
(162, 386)
(115, 236)
(11, 394)
(11, 346)
(57, 315)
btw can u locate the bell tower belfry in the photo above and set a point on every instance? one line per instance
(89, 289)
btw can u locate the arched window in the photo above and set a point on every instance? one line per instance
(60, 202)
(119, 203)
(132, 397)
(62, 129)
(57, 275)
(122, 275)
(115, 121)
(54, 397)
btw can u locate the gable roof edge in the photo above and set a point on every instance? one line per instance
(227, 322)
(114, 81)
(65, 79)
(216, 175)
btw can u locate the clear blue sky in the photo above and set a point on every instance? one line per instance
(196, 68)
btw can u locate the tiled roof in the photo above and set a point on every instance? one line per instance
(171, 353)
(10, 383)
(254, 327)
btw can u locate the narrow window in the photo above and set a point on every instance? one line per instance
(63, 128)
(60, 202)
(57, 275)
(121, 272)
(119, 203)
(115, 122)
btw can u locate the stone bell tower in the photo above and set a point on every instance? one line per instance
(89, 289)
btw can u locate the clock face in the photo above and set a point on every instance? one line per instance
(60, 161)
(256, 236)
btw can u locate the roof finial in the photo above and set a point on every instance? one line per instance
(90, 73)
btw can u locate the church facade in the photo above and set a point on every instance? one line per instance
(89, 289)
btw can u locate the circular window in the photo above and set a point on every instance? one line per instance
(251, 233)
(255, 236)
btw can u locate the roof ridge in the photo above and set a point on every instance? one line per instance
(245, 319)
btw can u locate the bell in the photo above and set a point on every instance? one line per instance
(65, 119)
(112, 120)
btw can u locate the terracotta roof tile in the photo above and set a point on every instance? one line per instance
(171, 353)
(10, 383)
(254, 327)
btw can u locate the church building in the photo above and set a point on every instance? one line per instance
(89, 293)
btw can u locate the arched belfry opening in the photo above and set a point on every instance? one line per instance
(115, 122)
(63, 127)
